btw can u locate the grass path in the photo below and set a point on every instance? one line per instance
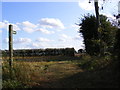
(53, 73)
(66, 74)
(60, 74)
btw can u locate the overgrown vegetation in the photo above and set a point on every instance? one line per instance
(30, 74)
(87, 72)
(98, 41)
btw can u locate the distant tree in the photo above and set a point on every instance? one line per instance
(69, 51)
(80, 51)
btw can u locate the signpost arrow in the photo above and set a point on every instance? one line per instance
(14, 32)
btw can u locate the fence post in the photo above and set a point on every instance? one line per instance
(10, 45)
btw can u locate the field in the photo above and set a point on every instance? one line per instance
(77, 72)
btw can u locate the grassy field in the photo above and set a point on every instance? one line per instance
(85, 72)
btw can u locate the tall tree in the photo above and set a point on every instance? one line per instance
(97, 41)
(90, 34)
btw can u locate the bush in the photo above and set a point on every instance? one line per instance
(94, 63)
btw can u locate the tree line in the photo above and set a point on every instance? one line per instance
(41, 52)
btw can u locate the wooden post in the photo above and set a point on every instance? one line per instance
(10, 45)
(96, 10)
(97, 14)
(97, 26)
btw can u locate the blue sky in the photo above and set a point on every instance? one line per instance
(46, 24)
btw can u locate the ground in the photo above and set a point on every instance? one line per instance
(59, 74)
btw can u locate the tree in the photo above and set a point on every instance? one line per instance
(117, 44)
(117, 38)
(90, 34)
(80, 51)
(107, 35)
(97, 41)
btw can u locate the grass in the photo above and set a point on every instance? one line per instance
(85, 72)
(34, 73)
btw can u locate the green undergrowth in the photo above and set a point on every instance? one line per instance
(92, 63)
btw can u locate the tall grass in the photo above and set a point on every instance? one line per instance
(29, 74)
(18, 77)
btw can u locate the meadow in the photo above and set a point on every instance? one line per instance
(66, 72)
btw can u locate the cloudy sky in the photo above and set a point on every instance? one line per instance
(48, 24)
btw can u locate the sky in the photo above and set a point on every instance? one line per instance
(47, 24)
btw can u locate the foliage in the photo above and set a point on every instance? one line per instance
(97, 41)
(90, 34)
(94, 63)
(41, 52)
(117, 44)
(107, 35)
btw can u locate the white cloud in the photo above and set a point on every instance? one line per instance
(5, 24)
(29, 30)
(68, 41)
(34, 45)
(41, 39)
(51, 23)
(2, 25)
(28, 24)
(15, 27)
(64, 38)
(37, 45)
(18, 40)
(45, 31)
(22, 40)
(22, 47)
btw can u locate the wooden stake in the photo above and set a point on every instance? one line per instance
(10, 45)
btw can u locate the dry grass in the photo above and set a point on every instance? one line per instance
(35, 73)
(88, 72)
